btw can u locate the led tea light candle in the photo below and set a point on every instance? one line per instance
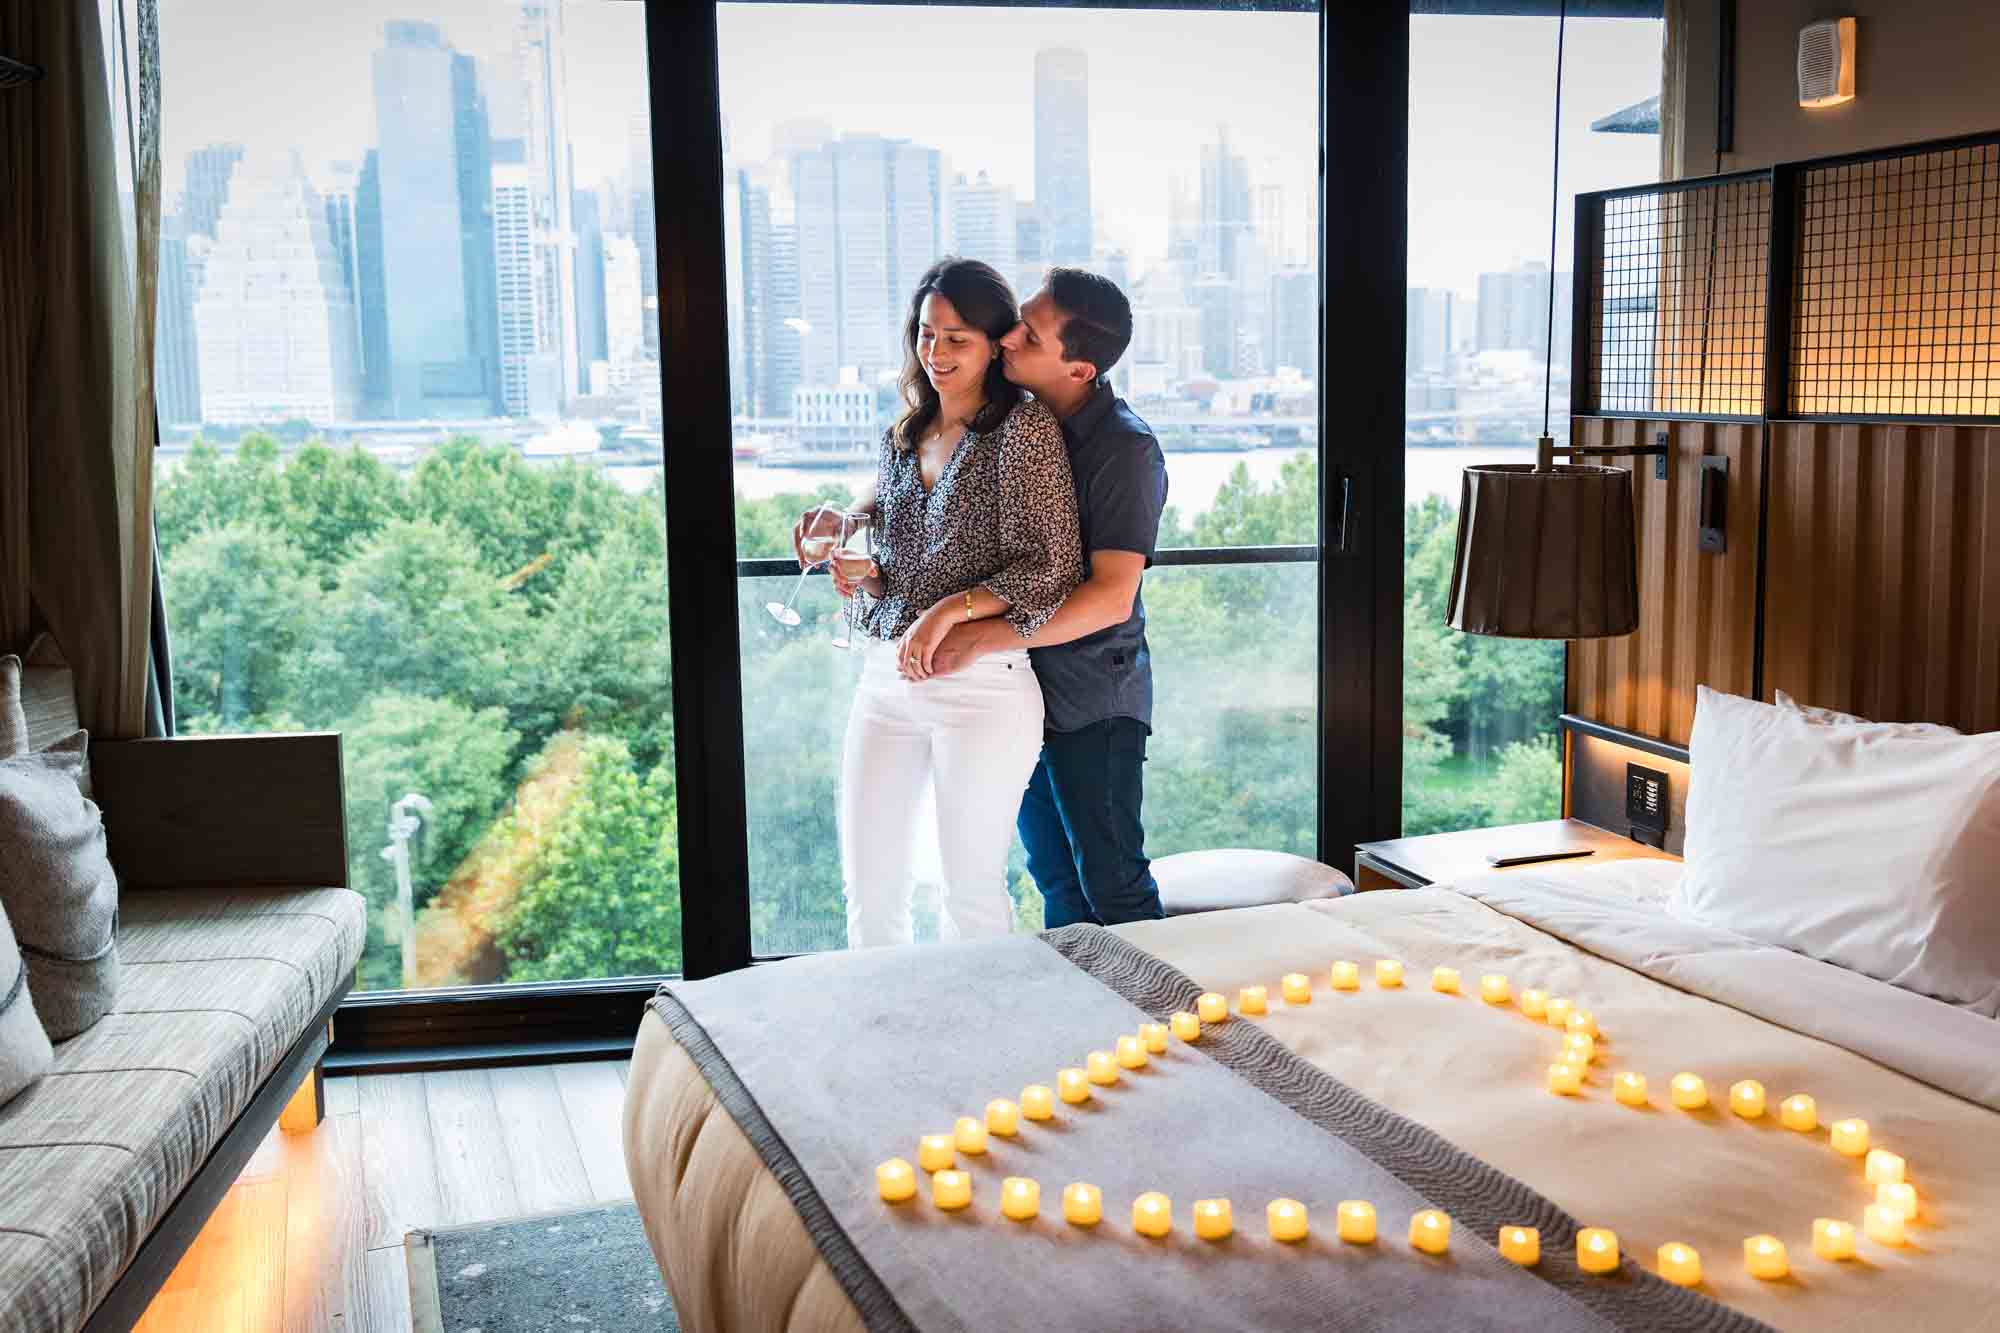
(1101, 1068)
(1765, 1257)
(1680, 1264)
(1430, 1231)
(1083, 1205)
(1832, 1238)
(1212, 1008)
(1850, 1137)
(1690, 1093)
(1565, 1079)
(1297, 988)
(1286, 1218)
(1884, 1167)
(970, 1136)
(1557, 1012)
(1582, 1020)
(1747, 1098)
(1154, 1036)
(1596, 1250)
(1354, 1221)
(1073, 1086)
(1493, 988)
(937, 1152)
(1038, 1102)
(896, 1180)
(1534, 1004)
(1186, 1026)
(1388, 973)
(1630, 1089)
(1444, 980)
(1579, 1047)
(1131, 1053)
(1003, 1118)
(951, 1190)
(1522, 1245)
(1020, 1198)
(1152, 1214)
(1212, 1220)
(1344, 976)
(1252, 1000)
(1884, 1225)
(1899, 1195)
(1798, 1112)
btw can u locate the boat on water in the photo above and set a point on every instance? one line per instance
(568, 439)
(837, 459)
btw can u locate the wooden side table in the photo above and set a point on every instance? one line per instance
(1414, 863)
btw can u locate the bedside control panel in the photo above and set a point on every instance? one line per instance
(1646, 804)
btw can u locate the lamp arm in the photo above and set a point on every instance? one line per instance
(1547, 451)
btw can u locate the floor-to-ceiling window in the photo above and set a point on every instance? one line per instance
(409, 395)
(862, 143)
(1480, 713)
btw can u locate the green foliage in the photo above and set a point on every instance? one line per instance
(454, 620)
(603, 899)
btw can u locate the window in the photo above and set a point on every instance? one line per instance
(1480, 713)
(409, 389)
(1029, 138)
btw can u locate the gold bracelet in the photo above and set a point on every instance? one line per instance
(968, 606)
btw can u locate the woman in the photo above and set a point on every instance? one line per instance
(975, 517)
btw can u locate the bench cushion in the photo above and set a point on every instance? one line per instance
(1229, 877)
(218, 985)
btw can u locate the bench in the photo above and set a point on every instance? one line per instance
(238, 941)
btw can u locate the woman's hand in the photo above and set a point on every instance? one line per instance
(919, 644)
(847, 587)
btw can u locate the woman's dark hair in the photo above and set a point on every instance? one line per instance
(983, 300)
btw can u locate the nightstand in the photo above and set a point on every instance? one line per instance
(1413, 863)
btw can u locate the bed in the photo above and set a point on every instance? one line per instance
(743, 1228)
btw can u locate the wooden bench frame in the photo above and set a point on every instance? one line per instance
(220, 812)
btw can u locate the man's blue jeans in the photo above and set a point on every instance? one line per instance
(1080, 824)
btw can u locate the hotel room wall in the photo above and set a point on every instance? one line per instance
(1925, 71)
(1697, 610)
(1883, 576)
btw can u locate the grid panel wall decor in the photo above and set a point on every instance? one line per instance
(1897, 286)
(1678, 303)
(1861, 287)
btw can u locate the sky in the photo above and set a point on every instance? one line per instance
(962, 79)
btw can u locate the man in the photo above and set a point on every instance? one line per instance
(1080, 818)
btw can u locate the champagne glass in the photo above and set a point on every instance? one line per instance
(822, 532)
(855, 559)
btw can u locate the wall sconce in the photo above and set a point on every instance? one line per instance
(1826, 63)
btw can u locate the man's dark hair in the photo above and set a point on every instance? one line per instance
(1097, 319)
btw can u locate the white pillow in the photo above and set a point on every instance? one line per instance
(1869, 845)
(1830, 717)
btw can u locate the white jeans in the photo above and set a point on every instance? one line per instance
(975, 736)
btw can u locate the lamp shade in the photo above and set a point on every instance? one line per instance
(1545, 553)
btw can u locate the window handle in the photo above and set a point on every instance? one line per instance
(1343, 523)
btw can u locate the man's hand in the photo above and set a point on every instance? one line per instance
(920, 641)
(962, 646)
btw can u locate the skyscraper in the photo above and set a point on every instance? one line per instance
(1294, 339)
(871, 218)
(1514, 310)
(624, 301)
(541, 69)
(590, 337)
(1062, 153)
(983, 224)
(275, 318)
(783, 338)
(207, 186)
(639, 166)
(747, 198)
(1226, 223)
(176, 355)
(371, 294)
(1428, 330)
(432, 183)
(530, 365)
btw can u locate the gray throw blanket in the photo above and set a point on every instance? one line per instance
(832, 1064)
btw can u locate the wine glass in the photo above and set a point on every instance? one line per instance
(855, 559)
(821, 533)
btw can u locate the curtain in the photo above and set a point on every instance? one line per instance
(79, 235)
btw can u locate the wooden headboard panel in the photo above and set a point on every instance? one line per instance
(1880, 565)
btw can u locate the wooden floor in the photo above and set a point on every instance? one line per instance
(310, 1237)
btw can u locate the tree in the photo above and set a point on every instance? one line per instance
(603, 897)
(334, 501)
(243, 607)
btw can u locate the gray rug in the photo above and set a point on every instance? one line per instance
(579, 1271)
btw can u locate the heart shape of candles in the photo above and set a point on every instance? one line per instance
(1884, 1221)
